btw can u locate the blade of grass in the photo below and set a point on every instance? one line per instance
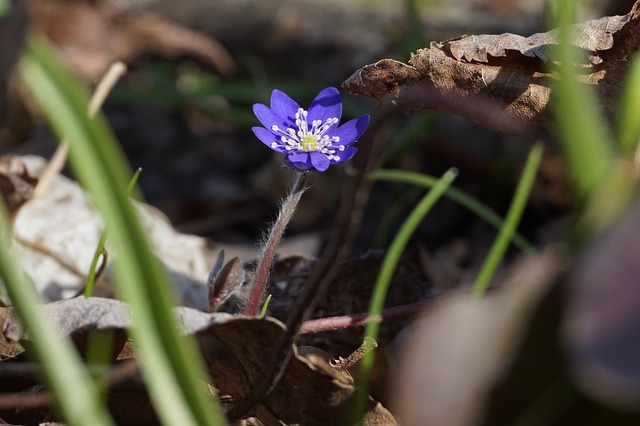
(91, 276)
(511, 221)
(585, 139)
(628, 125)
(604, 186)
(460, 197)
(4, 7)
(265, 306)
(383, 281)
(170, 363)
(76, 395)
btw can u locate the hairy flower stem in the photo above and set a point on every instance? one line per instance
(287, 209)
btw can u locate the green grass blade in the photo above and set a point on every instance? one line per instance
(628, 125)
(265, 306)
(514, 214)
(76, 395)
(583, 133)
(383, 281)
(91, 276)
(169, 361)
(4, 7)
(460, 197)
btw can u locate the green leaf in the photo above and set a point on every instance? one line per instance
(508, 229)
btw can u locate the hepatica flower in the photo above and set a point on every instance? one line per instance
(311, 139)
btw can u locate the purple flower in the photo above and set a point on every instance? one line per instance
(311, 139)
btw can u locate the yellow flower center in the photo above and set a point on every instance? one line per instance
(309, 142)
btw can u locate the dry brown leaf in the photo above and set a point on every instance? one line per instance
(8, 349)
(93, 35)
(16, 182)
(57, 234)
(236, 349)
(78, 318)
(593, 36)
(224, 280)
(509, 71)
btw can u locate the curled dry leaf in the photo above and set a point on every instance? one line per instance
(16, 182)
(8, 348)
(236, 350)
(77, 318)
(510, 71)
(224, 280)
(593, 37)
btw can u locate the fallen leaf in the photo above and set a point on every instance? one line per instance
(240, 350)
(224, 280)
(8, 349)
(56, 235)
(93, 35)
(595, 37)
(236, 350)
(509, 72)
(78, 318)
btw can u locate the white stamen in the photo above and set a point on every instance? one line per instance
(304, 139)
